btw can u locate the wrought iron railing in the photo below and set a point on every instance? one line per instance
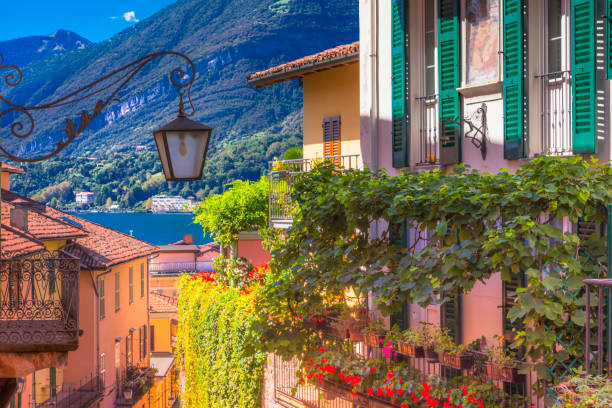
(598, 354)
(282, 177)
(164, 268)
(39, 302)
(83, 394)
(429, 138)
(556, 112)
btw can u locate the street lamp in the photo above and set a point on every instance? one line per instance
(182, 143)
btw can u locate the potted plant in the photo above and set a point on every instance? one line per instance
(128, 390)
(374, 333)
(502, 364)
(430, 339)
(409, 344)
(458, 356)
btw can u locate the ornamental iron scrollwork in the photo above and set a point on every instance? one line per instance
(23, 128)
(478, 129)
(39, 302)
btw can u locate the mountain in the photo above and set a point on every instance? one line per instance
(23, 51)
(227, 40)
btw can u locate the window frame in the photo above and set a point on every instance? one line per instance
(102, 297)
(117, 291)
(566, 45)
(103, 370)
(142, 280)
(131, 285)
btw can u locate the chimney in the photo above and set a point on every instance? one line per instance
(19, 218)
(188, 239)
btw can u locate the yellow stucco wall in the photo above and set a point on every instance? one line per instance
(334, 92)
(163, 332)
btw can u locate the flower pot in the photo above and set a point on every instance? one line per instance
(505, 374)
(410, 350)
(458, 361)
(355, 333)
(431, 355)
(127, 393)
(373, 339)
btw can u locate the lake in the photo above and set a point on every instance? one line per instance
(157, 229)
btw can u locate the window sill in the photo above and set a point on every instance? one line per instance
(488, 88)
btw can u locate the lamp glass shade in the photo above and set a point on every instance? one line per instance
(182, 147)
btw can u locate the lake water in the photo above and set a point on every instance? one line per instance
(157, 229)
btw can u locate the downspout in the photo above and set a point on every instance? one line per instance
(375, 110)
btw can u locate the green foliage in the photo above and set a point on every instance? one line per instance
(293, 153)
(243, 207)
(216, 346)
(469, 225)
(585, 392)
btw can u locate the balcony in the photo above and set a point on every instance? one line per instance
(177, 268)
(283, 175)
(137, 382)
(39, 302)
(429, 137)
(556, 113)
(85, 394)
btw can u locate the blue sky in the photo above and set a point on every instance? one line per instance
(96, 20)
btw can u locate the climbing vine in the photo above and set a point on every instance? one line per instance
(217, 344)
(465, 226)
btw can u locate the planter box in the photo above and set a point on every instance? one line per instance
(374, 340)
(410, 350)
(458, 361)
(431, 355)
(505, 374)
(355, 333)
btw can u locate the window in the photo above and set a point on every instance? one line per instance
(103, 370)
(117, 365)
(131, 286)
(430, 47)
(554, 36)
(102, 298)
(144, 342)
(331, 136)
(117, 291)
(142, 281)
(152, 335)
(482, 37)
(53, 381)
(140, 343)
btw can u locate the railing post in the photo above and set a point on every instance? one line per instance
(600, 349)
(587, 359)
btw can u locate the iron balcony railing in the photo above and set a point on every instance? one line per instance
(282, 177)
(598, 354)
(39, 303)
(171, 268)
(556, 113)
(429, 137)
(85, 394)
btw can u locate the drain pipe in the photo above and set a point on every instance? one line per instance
(375, 108)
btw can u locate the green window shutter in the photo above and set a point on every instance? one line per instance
(584, 139)
(399, 237)
(399, 82)
(451, 317)
(513, 88)
(608, 39)
(448, 63)
(509, 288)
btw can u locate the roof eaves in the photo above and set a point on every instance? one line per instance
(302, 70)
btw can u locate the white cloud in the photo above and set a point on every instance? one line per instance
(130, 17)
(113, 17)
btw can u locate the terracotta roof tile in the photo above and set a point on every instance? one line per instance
(296, 68)
(9, 168)
(97, 246)
(209, 251)
(18, 243)
(162, 304)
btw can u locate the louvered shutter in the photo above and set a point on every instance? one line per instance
(399, 237)
(509, 288)
(608, 39)
(451, 317)
(331, 137)
(399, 82)
(584, 139)
(448, 62)
(513, 88)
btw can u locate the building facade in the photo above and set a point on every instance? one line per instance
(84, 197)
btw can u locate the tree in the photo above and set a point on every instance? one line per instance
(243, 207)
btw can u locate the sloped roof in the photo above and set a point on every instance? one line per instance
(333, 57)
(97, 246)
(210, 251)
(17, 243)
(159, 303)
(9, 168)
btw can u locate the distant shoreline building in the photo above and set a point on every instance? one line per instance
(171, 204)
(85, 197)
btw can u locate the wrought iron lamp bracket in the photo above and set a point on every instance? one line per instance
(118, 80)
(477, 131)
